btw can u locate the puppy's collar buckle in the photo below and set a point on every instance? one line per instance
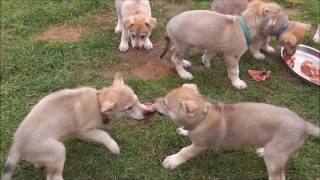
(246, 30)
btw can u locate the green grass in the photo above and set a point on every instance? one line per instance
(31, 69)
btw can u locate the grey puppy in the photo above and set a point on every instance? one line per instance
(217, 34)
(211, 125)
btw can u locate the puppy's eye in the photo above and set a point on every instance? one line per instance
(129, 108)
(143, 36)
(133, 35)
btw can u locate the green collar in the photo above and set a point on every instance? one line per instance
(246, 30)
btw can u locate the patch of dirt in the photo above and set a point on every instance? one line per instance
(58, 33)
(145, 64)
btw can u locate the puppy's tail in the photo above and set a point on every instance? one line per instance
(313, 130)
(12, 160)
(166, 48)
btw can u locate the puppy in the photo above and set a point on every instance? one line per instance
(217, 34)
(290, 34)
(77, 112)
(135, 22)
(214, 124)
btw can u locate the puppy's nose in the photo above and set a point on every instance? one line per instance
(136, 47)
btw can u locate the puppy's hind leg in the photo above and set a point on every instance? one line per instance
(52, 154)
(207, 57)
(101, 137)
(178, 62)
(232, 63)
(276, 162)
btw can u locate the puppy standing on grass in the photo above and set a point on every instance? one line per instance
(218, 34)
(212, 125)
(78, 112)
(135, 22)
(290, 34)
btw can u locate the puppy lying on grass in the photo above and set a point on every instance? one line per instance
(289, 33)
(77, 112)
(213, 124)
(218, 34)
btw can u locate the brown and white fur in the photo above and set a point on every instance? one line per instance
(218, 34)
(135, 22)
(211, 125)
(70, 112)
(290, 38)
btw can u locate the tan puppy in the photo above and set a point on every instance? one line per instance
(290, 34)
(77, 112)
(217, 34)
(135, 22)
(214, 124)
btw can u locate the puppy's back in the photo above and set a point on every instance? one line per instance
(55, 112)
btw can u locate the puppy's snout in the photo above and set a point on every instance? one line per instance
(136, 47)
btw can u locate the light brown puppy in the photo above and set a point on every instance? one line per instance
(218, 34)
(77, 112)
(135, 22)
(290, 34)
(212, 125)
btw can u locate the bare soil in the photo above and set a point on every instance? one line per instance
(144, 64)
(60, 33)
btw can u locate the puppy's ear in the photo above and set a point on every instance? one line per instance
(118, 79)
(107, 106)
(189, 106)
(270, 8)
(151, 22)
(193, 87)
(127, 22)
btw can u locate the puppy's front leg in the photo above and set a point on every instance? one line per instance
(267, 47)
(182, 156)
(182, 132)
(233, 72)
(148, 44)
(101, 137)
(118, 28)
(124, 44)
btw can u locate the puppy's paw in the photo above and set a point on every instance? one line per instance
(185, 75)
(148, 44)
(118, 29)
(124, 47)
(186, 63)
(182, 132)
(259, 56)
(239, 84)
(205, 62)
(260, 152)
(172, 161)
(269, 49)
(113, 147)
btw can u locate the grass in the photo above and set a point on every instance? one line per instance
(31, 69)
